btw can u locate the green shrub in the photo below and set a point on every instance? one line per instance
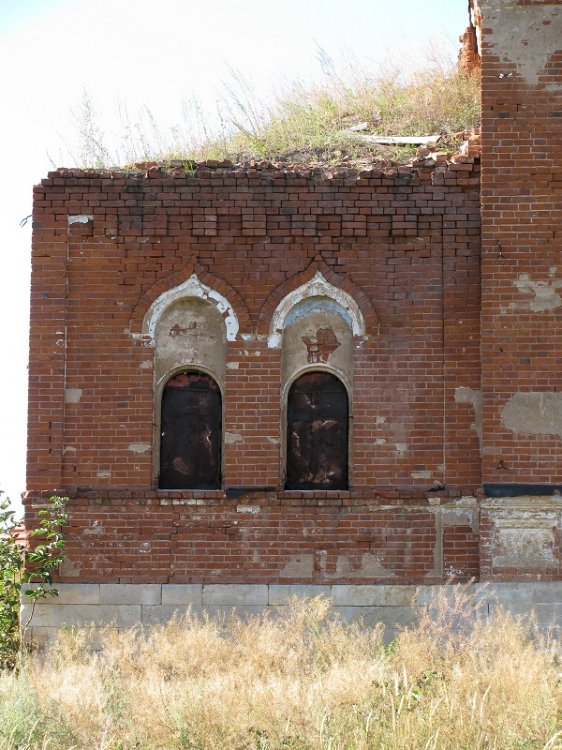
(21, 564)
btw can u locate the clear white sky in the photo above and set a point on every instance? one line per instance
(153, 52)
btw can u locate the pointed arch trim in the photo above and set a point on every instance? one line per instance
(317, 286)
(196, 279)
(192, 287)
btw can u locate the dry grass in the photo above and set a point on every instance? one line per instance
(300, 682)
(302, 123)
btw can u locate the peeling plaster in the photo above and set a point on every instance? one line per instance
(546, 297)
(95, 528)
(534, 413)
(472, 396)
(72, 395)
(80, 219)
(523, 37)
(425, 474)
(301, 565)
(525, 539)
(315, 287)
(371, 567)
(139, 447)
(190, 288)
(233, 437)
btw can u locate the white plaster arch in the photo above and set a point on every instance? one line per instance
(193, 287)
(317, 286)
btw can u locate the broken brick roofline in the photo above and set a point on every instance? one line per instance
(281, 375)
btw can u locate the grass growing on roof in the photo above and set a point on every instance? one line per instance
(302, 123)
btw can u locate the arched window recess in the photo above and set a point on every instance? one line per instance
(317, 433)
(191, 429)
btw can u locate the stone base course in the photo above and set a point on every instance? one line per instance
(393, 606)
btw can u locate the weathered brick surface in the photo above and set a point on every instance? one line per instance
(454, 388)
(521, 237)
(403, 243)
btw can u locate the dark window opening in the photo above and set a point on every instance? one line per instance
(191, 423)
(317, 433)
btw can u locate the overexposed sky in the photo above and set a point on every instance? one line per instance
(154, 54)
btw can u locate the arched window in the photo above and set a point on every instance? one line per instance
(317, 433)
(191, 423)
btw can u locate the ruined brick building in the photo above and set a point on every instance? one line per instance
(253, 382)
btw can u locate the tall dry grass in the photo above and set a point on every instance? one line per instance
(300, 122)
(298, 682)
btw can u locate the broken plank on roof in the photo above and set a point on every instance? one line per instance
(395, 140)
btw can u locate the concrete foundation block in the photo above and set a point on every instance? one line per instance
(506, 593)
(281, 594)
(160, 614)
(399, 596)
(69, 593)
(429, 595)
(372, 616)
(545, 615)
(546, 592)
(40, 638)
(242, 612)
(182, 594)
(234, 594)
(358, 595)
(59, 615)
(130, 593)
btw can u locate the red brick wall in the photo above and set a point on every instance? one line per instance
(404, 243)
(522, 241)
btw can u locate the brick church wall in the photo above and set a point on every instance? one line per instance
(447, 291)
(403, 244)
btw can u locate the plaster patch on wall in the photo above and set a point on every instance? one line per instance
(371, 567)
(105, 474)
(72, 395)
(248, 509)
(472, 396)
(232, 437)
(80, 219)
(425, 474)
(299, 566)
(146, 364)
(233, 365)
(380, 420)
(68, 449)
(380, 441)
(139, 447)
(193, 287)
(273, 440)
(401, 448)
(545, 295)
(95, 528)
(460, 517)
(317, 287)
(525, 540)
(524, 37)
(534, 413)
